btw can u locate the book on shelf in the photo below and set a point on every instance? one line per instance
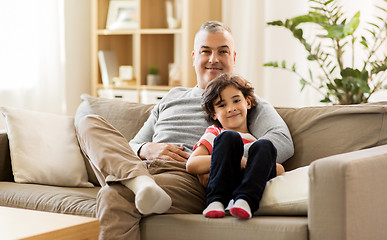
(108, 63)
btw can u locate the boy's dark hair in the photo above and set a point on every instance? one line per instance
(216, 86)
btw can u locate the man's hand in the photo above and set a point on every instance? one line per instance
(163, 151)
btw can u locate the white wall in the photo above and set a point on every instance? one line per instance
(77, 33)
(247, 27)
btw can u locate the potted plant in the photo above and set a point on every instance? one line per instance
(338, 81)
(153, 77)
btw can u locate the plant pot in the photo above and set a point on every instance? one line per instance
(153, 80)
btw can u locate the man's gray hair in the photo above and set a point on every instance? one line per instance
(214, 26)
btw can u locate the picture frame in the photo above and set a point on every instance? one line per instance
(122, 15)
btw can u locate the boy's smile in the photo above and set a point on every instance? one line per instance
(231, 109)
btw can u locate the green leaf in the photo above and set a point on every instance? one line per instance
(294, 67)
(383, 9)
(325, 100)
(333, 69)
(311, 57)
(283, 64)
(303, 83)
(351, 27)
(336, 31)
(271, 64)
(297, 33)
(364, 42)
(379, 66)
(275, 23)
(308, 47)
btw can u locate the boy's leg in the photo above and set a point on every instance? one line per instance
(225, 171)
(260, 168)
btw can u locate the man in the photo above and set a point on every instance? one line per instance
(160, 184)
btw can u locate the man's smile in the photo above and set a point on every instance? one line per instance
(213, 68)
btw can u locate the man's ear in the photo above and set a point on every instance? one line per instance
(193, 57)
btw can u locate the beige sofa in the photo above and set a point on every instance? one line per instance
(345, 146)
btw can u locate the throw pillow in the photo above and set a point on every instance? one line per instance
(44, 149)
(287, 194)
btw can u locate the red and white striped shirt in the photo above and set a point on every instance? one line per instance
(212, 131)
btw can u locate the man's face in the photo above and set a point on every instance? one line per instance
(213, 55)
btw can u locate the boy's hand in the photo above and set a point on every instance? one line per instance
(203, 179)
(163, 151)
(243, 163)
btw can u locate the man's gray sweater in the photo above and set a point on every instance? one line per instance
(179, 119)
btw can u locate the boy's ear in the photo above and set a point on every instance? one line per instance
(213, 117)
(248, 103)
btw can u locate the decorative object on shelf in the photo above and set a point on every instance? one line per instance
(122, 15)
(173, 14)
(125, 77)
(126, 72)
(153, 78)
(339, 83)
(108, 64)
(174, 75)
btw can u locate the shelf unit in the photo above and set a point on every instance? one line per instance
(153, 43)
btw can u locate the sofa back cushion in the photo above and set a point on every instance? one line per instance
(323, 131)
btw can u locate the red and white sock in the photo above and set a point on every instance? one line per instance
(214, 210)
(241, 209)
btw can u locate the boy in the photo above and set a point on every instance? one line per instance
(227, 101)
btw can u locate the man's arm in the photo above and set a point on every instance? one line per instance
(266, 123)
(145, 134)
(143, 145)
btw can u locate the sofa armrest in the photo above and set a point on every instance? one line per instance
(5, 159)
(348, 196)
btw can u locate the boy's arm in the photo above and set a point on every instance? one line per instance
(200, 161)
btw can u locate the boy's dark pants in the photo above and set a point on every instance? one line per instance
(228, 181)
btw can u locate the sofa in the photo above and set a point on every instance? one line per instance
(339, 194)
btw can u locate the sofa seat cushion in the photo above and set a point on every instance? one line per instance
(198, 227)
(76, 201)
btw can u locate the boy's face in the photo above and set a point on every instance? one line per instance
(213, 55)
(230, 109)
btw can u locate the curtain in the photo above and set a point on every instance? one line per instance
(32, 56)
